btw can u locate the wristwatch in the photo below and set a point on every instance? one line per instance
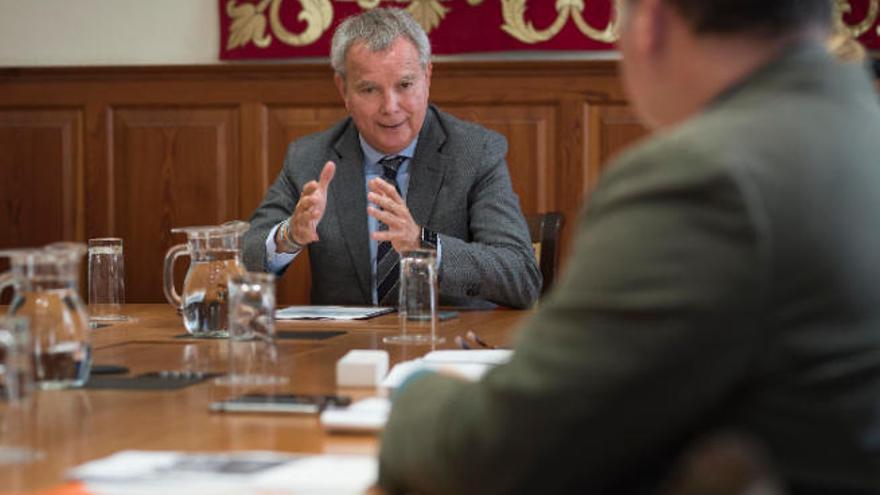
(428, 239)
(287, 244)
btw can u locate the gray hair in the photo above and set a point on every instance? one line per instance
(378, 28)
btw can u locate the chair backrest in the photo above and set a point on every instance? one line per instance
(544, 230)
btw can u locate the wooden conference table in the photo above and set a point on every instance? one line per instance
(74, 426)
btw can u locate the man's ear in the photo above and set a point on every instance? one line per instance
(340, 86)
(428, 70)
(651, 23)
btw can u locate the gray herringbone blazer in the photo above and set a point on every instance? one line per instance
(459, 187)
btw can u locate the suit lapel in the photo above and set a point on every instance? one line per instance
(348, 191)
(426, 169)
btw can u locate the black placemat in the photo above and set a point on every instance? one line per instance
(109, 369)
(281, 335)
(148, 381)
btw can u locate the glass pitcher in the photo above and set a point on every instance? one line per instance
(46, 285)
(215, 256)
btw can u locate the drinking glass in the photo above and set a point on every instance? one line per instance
(417, 310)
(106, 280)
(16, 359)
(16, 386)
(253, 355)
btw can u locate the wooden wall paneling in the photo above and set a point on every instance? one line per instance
(531, 136)
(282, 125)
(612, 128)
(174, 146)
(99, 177)
(570, 169)
(41, 175)
(172, 167)
(254, 157)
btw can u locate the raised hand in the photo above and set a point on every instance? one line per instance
(311, 206)
(403, 233)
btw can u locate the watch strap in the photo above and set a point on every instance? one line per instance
(428, 238)
(287, 244)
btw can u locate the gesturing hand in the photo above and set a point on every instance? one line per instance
(402, 230)
(310, 208)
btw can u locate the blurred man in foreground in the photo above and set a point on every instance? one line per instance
(724, 277)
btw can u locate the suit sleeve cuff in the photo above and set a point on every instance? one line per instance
(275, 261)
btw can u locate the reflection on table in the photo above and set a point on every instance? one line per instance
(70, 427)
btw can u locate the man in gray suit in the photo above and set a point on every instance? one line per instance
(431, 180)
(725, 276)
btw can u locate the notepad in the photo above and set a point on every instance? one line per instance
(163, 472)
(330, 312)
(367, 415)
(471, 365)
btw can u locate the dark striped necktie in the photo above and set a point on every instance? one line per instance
(387, 259)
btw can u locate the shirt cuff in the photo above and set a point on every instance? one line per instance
(275, 261)
(439, 252)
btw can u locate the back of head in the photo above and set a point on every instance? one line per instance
(378, 28)
(706, 46)
(761, 18)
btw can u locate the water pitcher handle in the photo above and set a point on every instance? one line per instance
(168, 277)
(7, 280)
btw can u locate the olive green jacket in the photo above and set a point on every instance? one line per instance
(725, 275)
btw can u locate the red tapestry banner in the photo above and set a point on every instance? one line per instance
(253, 29)
(263, 29)
(860, 17)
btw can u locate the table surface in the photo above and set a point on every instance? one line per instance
(73, 426)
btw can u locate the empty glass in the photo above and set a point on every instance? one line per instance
(417, 301)
(106, 280)
(253, 355)
(16, 359)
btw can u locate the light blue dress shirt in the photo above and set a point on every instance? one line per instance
(276, 261)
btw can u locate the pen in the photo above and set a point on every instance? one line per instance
(473, 336)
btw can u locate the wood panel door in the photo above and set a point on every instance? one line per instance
(169, 167)
(531, 133)
(611, 129)
(41, 177)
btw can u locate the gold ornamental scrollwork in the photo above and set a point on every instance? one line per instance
(515, 24)
(843, 7)
(317, 14)
(368, 4)
(428, 13)
(249, 23)
(249, 19)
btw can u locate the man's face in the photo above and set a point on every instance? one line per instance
(386, 93)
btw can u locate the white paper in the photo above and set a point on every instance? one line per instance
(330, 312)
(470, 365)
(165, 473)
(323, 475)
(367, 415)
(478, 356)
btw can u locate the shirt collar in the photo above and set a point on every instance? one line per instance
(373, 156)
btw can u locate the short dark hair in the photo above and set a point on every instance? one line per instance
(760, 17)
